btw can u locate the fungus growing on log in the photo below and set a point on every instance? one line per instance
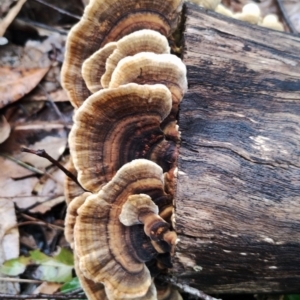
(108, 21)
(123, 145)
(271, 21)
(151, 68)
(250, 13)
(110, 252)
(140, 209)
(140, 41)
(94, 67)
(115, 126)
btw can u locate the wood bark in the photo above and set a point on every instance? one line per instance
(238, 190)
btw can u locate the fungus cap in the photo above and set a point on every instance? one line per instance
(271, 21)
(106, 247)
(250, 13)
(221, 9)
(140, 209)
(115, 126)
(94, 67)
(140, 41)
(151, 68)
(107, 21)
(71, 216)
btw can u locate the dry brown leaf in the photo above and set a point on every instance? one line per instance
(53, 139)
(9, 240)
(47, 288)
(4, 129)
(59, 95)
(21, 191)
(17, 82)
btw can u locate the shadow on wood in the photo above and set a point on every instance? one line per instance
(238, 198)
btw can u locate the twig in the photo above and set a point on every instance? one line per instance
(33, 221)
(42, 296)
(187, 289)
(40, 222)
(10, 16)
(44, 26)
(43, 153)
(286, 18)
(9, 279)
(51, 101)
(22, 164)
(62, 11)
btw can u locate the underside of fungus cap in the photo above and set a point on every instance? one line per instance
(140, 41)
(94, 67)
(106, 21)
(105, 247)
(140, 209)
(115, 126)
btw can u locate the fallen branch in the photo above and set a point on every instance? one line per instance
(44, 154)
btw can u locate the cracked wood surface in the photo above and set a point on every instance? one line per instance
(238, 197)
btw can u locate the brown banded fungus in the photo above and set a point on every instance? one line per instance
(108, 21)
(140, 41)
(71, 216)
(94, 67)
(151, 68)
(140, 209)
(115, 126)
(110, 252)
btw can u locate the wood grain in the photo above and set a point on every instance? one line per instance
(238, 197)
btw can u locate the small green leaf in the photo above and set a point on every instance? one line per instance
(292, 297)
(39, 257)
(65, 257)
(70, 286)
(15, 266)
(53, 273)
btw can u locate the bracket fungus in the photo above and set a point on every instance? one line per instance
(94, 66)
(126, 88)
(115, 126)
(108, 21)
(151, 68)
(108, 250)
(140, 41)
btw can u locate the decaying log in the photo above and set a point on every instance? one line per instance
(238, 198)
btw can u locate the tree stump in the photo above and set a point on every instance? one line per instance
(238, 190)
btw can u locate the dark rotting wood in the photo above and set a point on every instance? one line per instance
(238, 191)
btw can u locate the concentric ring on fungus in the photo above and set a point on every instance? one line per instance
(107, 21)
(115, 126)
(151, 68)
(104, 245)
